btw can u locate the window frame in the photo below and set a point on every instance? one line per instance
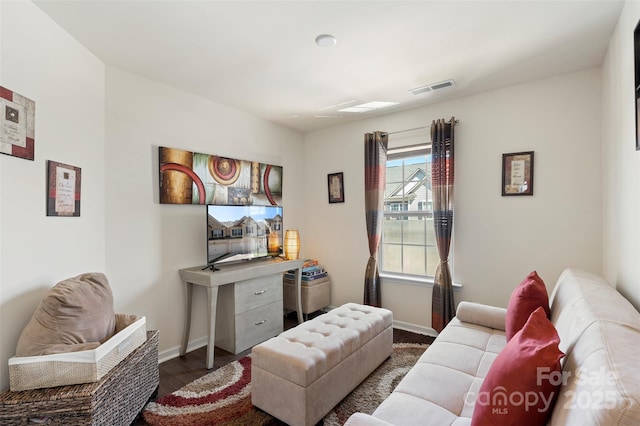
(400, 153)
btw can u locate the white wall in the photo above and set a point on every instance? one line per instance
(148, 242)
(498, 240)
(42, 62)
(123, 230)
(621, 200)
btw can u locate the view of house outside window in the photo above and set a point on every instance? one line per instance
(408, 244)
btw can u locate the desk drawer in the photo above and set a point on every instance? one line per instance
(251, 294)
(258, 325)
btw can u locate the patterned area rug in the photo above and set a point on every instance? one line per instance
(223, 397)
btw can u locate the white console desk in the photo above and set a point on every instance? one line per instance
(233, 274)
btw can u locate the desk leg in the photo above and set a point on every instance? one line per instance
(187, 319)
(212, 296)
(298, 274)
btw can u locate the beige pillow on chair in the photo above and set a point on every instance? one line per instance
(76, 315)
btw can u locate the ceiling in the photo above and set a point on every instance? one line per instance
(260, 56)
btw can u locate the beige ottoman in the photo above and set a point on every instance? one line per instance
(315, 294)
(300, 375)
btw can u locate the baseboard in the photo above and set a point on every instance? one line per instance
(174, 352)
(414, 328)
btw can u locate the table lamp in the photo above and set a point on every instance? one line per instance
(291, 244)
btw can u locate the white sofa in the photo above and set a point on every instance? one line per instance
(599, 333)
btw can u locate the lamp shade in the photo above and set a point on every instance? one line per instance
(291, 244)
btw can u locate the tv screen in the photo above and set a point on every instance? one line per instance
(237, 233)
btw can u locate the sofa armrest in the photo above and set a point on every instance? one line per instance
(361, 419)
(485, 315)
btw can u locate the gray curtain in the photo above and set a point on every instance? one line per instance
(375, 167)
(442, 172)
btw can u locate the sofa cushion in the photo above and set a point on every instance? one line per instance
(75, 315)
(452, 368)
(484, 315)
(529, 295)
(600, 333)
(524, 379)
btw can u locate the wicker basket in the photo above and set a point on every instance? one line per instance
(114, 400)
(72, 368)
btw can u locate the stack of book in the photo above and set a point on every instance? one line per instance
(311, 271)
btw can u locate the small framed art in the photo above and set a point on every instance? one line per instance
(17, 124)
(636, 60)
(335, 185)
(517, 173)
(63, 189)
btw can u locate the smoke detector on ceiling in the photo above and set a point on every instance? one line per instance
(432, 87)
(326, 40)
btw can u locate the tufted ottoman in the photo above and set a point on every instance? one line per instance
(300, 375)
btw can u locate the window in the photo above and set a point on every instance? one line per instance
(422, 205)
(408, 237)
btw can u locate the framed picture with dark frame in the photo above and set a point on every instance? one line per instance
(517, 173)
(17, 124)
(636, 62)
(335, 186)
(63, 189)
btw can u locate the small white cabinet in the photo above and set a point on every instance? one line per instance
(249, 312)
(244, 302)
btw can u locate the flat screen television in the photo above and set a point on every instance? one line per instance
(236, 233)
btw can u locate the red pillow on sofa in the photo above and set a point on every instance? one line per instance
(523, 381)
(529, 295)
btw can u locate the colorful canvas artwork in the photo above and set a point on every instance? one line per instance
(193, 178)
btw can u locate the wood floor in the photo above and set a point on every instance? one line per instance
(180, 371)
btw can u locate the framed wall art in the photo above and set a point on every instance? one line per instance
(63, 189)
(188, 177)
(517, 173)
(335, 185)
(17, 124)
(636, 60)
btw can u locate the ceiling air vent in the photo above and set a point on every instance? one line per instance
(432, 87)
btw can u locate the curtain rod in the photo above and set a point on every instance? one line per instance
(409, 130)
(415, 128)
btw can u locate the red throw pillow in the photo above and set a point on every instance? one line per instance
(529, 295)
(524, 380)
